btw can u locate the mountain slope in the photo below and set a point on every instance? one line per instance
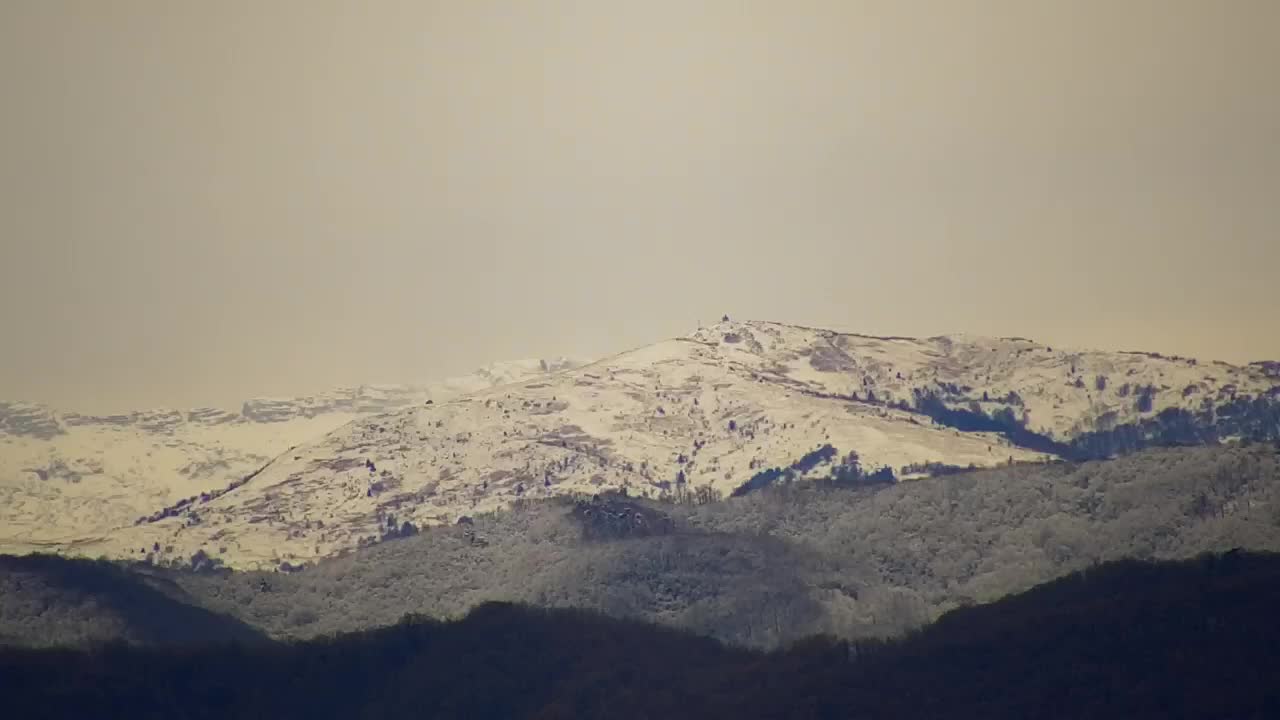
(686, 412)
(67, 479)
(713, 412)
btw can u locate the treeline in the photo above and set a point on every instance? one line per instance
(1002, 421)
(1251, 419)
(1248, 419)
(847, 472)
(1129, 640)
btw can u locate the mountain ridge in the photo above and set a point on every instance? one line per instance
(726, 408)
(362, 398)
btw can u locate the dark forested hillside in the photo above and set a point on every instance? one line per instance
(47, 600)
(762, 570)
(1193, 639)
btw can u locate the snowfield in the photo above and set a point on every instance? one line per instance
(69, 480)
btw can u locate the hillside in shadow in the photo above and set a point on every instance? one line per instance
(1193, 639)
(47, 600)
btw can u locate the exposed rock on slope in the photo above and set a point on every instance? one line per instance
(28, 420)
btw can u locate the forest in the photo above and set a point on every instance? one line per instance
(1127, 639)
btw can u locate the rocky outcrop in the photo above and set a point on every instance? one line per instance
(266, 410)
(1269, 368)
(614, 518)
(158, 420)
(62, 469)
(29, 419)
(360, 400)
(212, 416)
(78, 420)
(559, 364)
(381, 398)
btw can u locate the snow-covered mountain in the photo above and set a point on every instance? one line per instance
(711, 410)
(68, 479)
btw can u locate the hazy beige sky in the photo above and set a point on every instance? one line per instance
(204, 201)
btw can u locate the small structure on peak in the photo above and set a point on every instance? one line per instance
(725, 318)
